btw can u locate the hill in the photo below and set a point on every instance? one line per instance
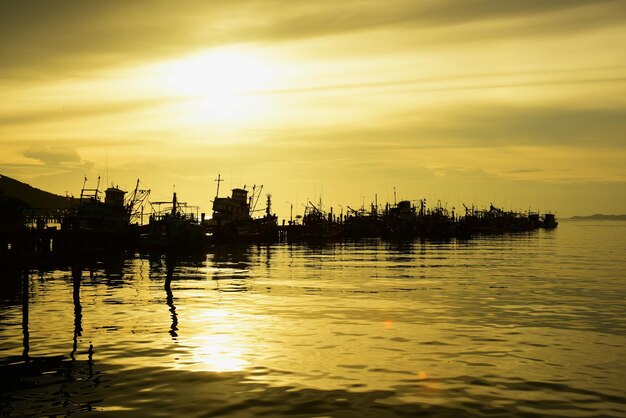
(32, 197)
(600, 217)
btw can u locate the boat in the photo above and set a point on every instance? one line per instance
(548, 221)
(233, 218)
(360, 223)
(94, 223)
(173, 225)
(316, 225)
(400, 221)
(436, 222)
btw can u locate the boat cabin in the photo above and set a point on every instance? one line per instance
(114, 196)
(235, 207)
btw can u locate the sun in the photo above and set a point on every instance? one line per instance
(219, 73)
(220, 86)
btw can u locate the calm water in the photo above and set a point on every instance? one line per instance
(525, 325)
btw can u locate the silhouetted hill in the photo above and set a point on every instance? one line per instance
(31, 196)
(601, 217)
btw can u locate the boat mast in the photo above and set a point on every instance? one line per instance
(251, 200)
(97, 187)
(174, 204)
(82, 191)
(219, 179)
(131, 201)
(257, 198)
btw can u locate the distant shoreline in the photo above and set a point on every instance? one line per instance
(599, 217)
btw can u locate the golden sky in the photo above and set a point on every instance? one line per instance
(519, 103)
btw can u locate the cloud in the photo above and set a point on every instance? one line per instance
(501, 125)
(329, 18)
(525, 171)
(82, 111)
(53, 155)
(466, 82)
(475, 125)
(44, 39)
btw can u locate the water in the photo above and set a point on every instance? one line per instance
(520, 325)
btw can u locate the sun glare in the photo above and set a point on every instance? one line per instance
(218, 73)
(218, 353)
(222, 85)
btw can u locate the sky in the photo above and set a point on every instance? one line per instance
(517, 103)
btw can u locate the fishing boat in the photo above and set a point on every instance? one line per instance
(549, 221)
(360, 223)
(94, 223)
(234, 219)
(173, 226)
(316, 225)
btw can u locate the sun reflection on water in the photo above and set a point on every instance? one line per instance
(218, 343)
(218, 353)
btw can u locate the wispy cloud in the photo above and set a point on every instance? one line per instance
(525, 171)
(52, 155)
(43, 39)
(60, 113)
(468, 81)
(479, 125)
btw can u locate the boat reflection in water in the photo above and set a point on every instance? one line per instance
(216, 348)
(360, 328)
(68, 376)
